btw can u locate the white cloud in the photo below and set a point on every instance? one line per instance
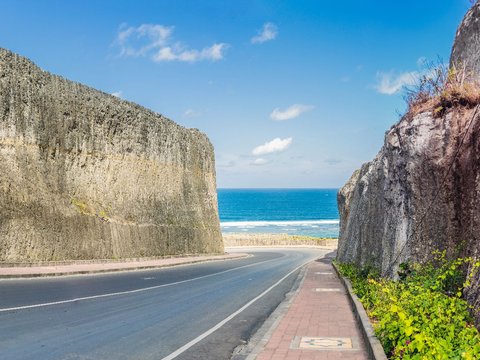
(260, 162)
(389, 83)
(155, 41)
(276, 145)
(139, 41)
(290, 112)
(214, 52)
(190, 113)
(268, 32)
(117, 94)
(164, 54)
(177, 53)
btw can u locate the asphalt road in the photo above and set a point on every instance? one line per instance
(200, 311)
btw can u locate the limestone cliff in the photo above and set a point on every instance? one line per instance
(422, 190)
(85, 175)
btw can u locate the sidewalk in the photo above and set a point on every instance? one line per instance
(319, 323)
(90, 267)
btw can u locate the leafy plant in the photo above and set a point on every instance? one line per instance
(422, 315)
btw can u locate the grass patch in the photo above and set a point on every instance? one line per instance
(440, 89)
(422, 315)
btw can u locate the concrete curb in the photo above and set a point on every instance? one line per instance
(100, 261)
(373, 345)
(119, 269)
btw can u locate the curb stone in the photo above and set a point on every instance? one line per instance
(4, 264)
(373, 345)
(114, 270)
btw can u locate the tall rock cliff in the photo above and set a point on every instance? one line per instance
(422, 191)
(466, 49)
(417, 189)
(86, 175)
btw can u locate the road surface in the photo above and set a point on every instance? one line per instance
(200, 311)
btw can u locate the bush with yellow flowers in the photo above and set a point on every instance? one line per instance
(422, 314)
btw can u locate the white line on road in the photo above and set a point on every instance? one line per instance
(128, 291)
(199, 338)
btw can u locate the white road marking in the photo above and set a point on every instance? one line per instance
(128, 291)
(199, 338)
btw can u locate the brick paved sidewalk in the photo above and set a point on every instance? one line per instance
(319, 323)
(107, 266)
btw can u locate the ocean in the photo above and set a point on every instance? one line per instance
(310, 212)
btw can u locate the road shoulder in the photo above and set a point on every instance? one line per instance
(104, 266)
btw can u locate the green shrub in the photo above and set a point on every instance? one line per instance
(422, 315)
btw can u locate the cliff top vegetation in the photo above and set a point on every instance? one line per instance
(442, 88)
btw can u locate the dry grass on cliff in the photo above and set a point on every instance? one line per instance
(441, 89)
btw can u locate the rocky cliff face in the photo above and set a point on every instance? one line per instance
(418, 188)
(422, 191)
(466, 49)
(86, 175)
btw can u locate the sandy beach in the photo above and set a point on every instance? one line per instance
(258, 239)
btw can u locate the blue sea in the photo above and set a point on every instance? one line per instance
(311, 212)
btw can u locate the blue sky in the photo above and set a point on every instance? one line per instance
(291, 93)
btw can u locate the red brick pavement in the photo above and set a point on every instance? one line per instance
(316, 314)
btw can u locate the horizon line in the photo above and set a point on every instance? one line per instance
(278, 188)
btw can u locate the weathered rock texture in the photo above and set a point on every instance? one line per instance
(85, 175)
(466, 49)
(422, 191)
(410, 192)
